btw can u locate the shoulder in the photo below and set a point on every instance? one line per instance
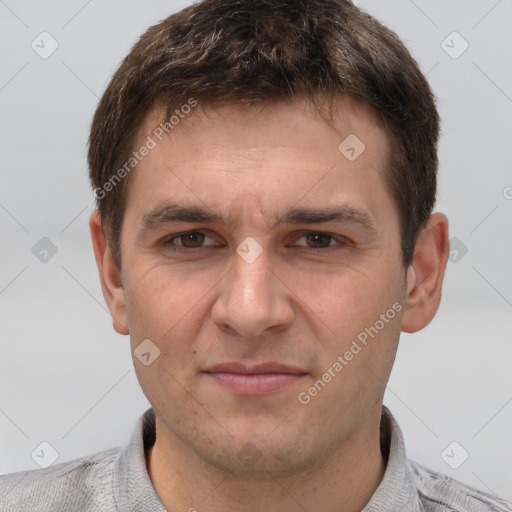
(81, 484)
(441, 493)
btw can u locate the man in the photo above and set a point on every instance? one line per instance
(265, 175)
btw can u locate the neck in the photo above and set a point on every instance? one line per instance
(345, 480)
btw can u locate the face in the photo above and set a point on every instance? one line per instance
(264, 263)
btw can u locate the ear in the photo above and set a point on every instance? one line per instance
(425, 274)
(110, 275)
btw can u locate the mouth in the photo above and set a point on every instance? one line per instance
(260, 379)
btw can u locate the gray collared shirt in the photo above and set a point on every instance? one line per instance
(117, 480)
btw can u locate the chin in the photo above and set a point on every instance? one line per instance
(258, 461)
(256, 451)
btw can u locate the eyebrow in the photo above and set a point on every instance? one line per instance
(171, 212)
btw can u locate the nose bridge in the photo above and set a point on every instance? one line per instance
(250, 301)
(251, 274)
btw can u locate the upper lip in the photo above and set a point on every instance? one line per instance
(243, 369)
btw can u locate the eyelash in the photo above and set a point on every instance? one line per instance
(340, 242)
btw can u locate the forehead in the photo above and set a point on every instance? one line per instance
(235, 156)
(297, 120)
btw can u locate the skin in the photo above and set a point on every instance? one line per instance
(301, 302)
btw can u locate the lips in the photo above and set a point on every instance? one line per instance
(258, 379)
(239, 368)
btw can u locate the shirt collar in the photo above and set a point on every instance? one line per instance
(396, 491)
(133, 489)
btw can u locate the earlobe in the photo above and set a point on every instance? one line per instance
(426, 273)
(110, 275)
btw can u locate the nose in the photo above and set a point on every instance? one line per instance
(252, 300)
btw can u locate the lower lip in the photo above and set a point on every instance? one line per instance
(258, 384)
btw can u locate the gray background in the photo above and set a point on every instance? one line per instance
(66, 377)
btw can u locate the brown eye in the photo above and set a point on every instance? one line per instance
(188, 241)
(191, 240)
(318, 240)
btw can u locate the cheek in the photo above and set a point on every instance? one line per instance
(358, 316)
(344, 299)
(165, 304)
(169, 310)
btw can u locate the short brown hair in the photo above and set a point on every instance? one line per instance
(227, 51)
